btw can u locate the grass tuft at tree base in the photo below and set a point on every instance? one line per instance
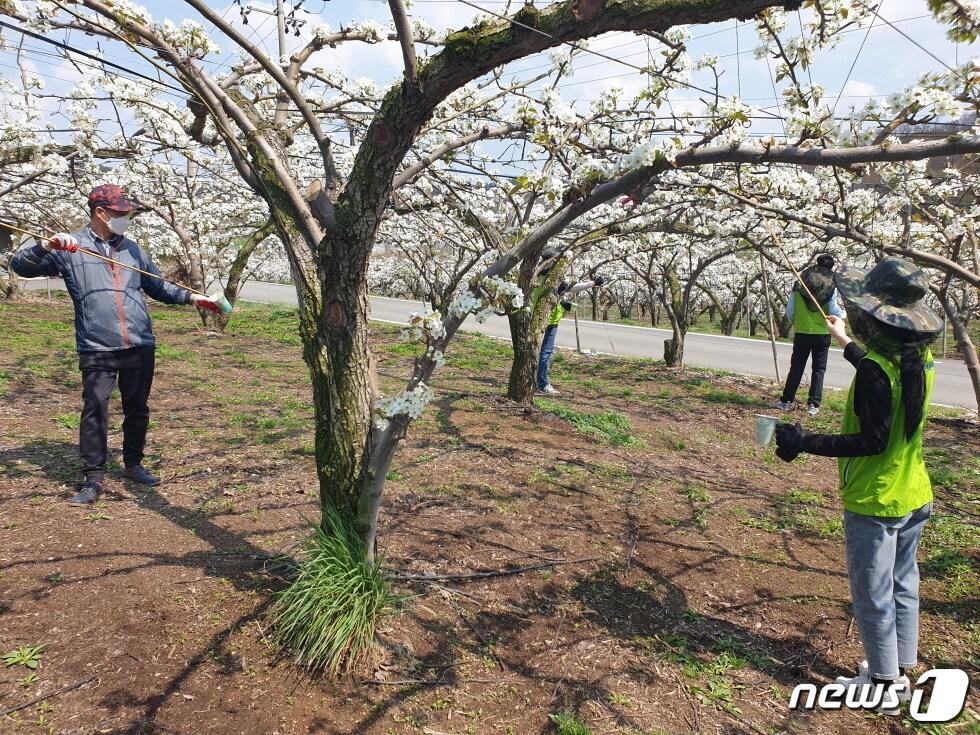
(327, 617)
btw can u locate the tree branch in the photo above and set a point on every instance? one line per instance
(410, 173)
(406, 40)
(275, 71)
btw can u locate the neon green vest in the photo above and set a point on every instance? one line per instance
(806, 321)
(556, 314)
(895, 482)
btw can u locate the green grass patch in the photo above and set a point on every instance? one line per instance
(608, 426)
(404, 349)
(328, 615)
(68, 420)
(568, 723)
(959, 573)
(729, 396)
(948, 533)
(166, 352)
(278, 323)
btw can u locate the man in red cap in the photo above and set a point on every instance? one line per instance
(113, 332)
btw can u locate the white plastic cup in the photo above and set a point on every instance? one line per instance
(223, 303)
(765, 426)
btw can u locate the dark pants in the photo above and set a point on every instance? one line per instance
(133, 369)
(805, 345)
(547, 350)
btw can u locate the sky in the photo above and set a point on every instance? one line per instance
(865, 64)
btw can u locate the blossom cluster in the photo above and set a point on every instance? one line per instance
(409, 403)
(423, 325)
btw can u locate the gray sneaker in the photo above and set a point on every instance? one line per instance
(785, 405)
(140, 475)
(87, 495)
(548, 390)
(812, 410)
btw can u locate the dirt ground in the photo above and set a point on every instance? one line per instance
(671, 577)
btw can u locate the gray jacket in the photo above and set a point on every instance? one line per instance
(110, 313)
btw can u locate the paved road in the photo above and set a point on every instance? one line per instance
(737, 354)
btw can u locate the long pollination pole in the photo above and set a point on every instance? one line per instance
(107, 260)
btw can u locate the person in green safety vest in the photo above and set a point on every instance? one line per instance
(564, 292)
(810, 335)
(886, 491)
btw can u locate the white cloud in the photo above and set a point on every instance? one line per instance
(855, 88)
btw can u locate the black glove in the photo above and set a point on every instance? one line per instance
(566, 305)
(599, 280)
(789, 441)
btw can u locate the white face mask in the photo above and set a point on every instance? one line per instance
(118, 225)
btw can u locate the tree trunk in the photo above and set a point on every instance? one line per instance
(237, 271)
(728, 322)
(967, 347)
(674, 347)
(8, 288)
(523, 368)
(335, 347)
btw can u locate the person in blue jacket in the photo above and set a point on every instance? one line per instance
(113, 333)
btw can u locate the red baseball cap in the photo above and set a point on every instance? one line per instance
(111, 197)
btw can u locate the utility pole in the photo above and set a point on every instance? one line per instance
(281, 23)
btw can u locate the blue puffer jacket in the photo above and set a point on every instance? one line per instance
(110, 313)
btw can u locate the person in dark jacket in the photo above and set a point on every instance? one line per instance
(113, 333)
(884, 484)
(810, 335)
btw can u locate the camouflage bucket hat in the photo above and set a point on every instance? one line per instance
(891, 292)
(820, 281)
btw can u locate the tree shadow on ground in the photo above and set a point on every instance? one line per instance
(232, 557)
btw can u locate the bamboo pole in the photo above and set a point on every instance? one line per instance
(799, 278)
(772, 327)
(107, 260)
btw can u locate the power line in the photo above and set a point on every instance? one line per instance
(693, 38)
(906, 36)
(856, 57)
(37, 52)
(578, 47)
(86, 54)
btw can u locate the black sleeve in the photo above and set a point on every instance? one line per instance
(854, 353)
(873, 406)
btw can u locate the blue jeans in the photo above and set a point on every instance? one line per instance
(884, 579)
(547, 350)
